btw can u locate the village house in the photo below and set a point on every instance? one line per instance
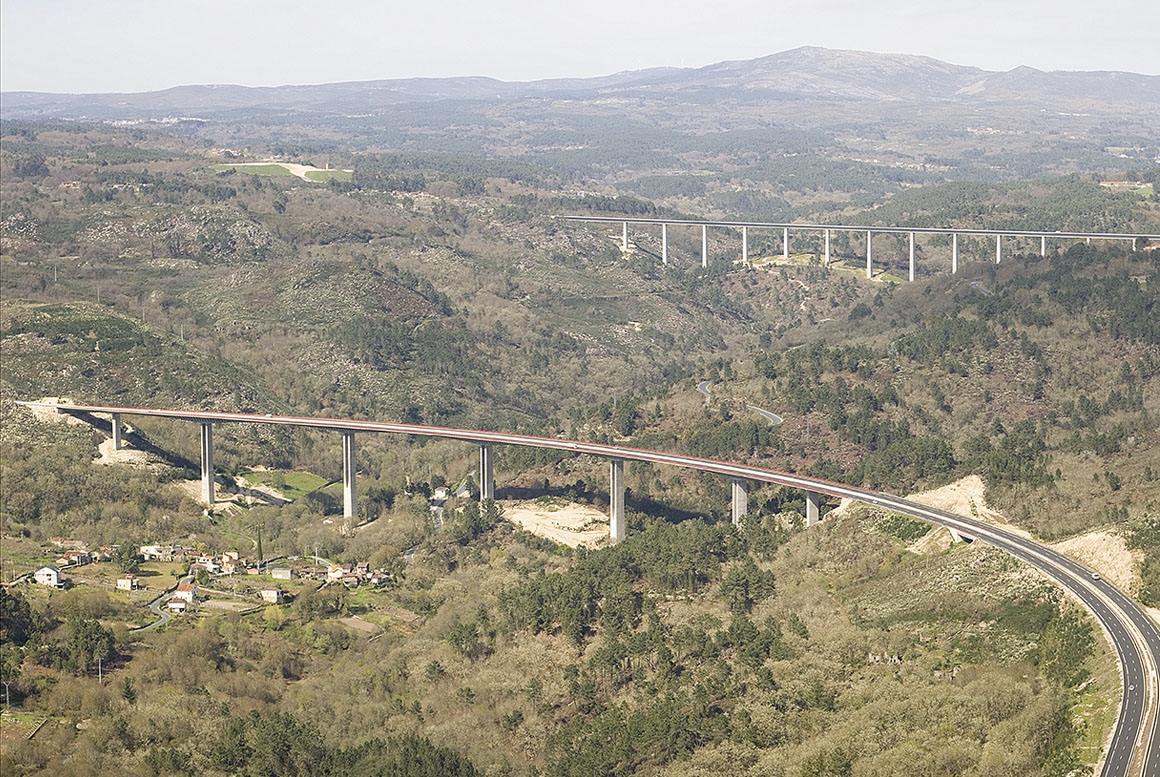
(61, 542)
(282, 573)
(177, 605)
(74, 558)
(128, 583)
(273, 595)
(186, 591)
(336, 572)
(49, 575)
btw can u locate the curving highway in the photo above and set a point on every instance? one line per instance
(1134, 750)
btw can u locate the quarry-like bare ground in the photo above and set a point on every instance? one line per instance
(567, 523)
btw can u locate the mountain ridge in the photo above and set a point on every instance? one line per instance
(803, 73)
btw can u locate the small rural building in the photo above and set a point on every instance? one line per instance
(177, 604)
(49, 575)
(75, 558)
(128, 583)
(282, 573)
(186, 592)
(273, 596)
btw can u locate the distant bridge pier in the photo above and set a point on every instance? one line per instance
(785, 244)
(486, 473)
(869, 254)
(912, 257)
(954, 253)
(117, 431)
(740, 501)
(827, 262)
(665, 244)
(704, 245)
(624, 239)
(998, 248)
(207, 463)
(813, 508)
(349, 497)
(616, 500)
(745, 245)
(1043, 245)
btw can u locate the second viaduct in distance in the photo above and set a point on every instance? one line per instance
(1045, 238)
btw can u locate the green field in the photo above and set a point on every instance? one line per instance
(270, 169)
(291, 485)
(329, 175)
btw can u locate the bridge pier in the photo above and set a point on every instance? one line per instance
(827, 262)
(912, 257)
(616, 500)
(745, 245)
(349, 496)
(665, 244)
(207, 463)
(486, 473)
(117, 431)
(740, 501)
(704, 245)
(954, 253)
(785, 244)
(1043, 245)
(869, 255)
(998, 248)
(813, 508)
(624, 239)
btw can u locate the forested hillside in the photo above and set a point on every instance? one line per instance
(437, 288)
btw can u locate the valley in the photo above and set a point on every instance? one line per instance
(439, 286)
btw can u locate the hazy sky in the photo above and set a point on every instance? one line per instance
(141, 45)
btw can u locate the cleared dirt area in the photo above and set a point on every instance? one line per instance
(1105, 552)
(564, 522)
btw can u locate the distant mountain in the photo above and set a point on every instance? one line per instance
(807, 73)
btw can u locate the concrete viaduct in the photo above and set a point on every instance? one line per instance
(1134, 748)
(828, 229)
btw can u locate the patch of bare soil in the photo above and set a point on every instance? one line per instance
(567, 523)
(107, 454)
(358, 623)
(1106, 553)
(43, 410)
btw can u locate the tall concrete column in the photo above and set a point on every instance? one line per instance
(954, 253)
(117, 431)
(664, 244)
(827, 248)
(740, 501)
(624, 239)
(998, 248)
(869, 254)
(207, 463)
(813, 508)
(745, 245)
(704, 245)
(1043, 245)
(616, 500)
(349, 496)
(912, 257)
(486, 473)
(785, 243)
